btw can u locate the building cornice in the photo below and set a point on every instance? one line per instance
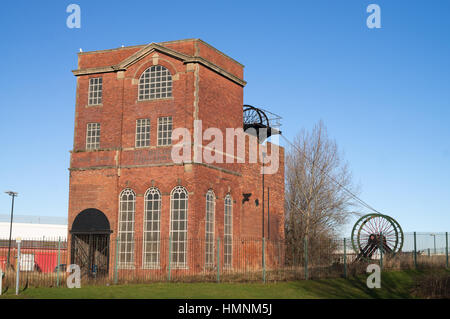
(104, 69)
(154, 47)
(91, 168)
(216, 68)
(163, 43)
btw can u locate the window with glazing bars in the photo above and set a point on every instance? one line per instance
(95, 91)
(155, 83)
(209, 228)
(165, 131)
(126, 229)
(93, 136)
(228, 232)
(152, 220)
(142, 132)
(178, 226)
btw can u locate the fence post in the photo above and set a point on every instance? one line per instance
(345, 258)
(1, 281)
(116, 259)
(306, 257)
(170, 257)
(446, 249)
(264, 259)
(18, 266)
(59, 261)
(415, 250)
(218, 259)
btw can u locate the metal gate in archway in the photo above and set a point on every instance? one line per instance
(90, 243)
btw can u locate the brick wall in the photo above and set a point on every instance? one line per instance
(199, 92)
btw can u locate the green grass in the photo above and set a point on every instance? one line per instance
(395, 284)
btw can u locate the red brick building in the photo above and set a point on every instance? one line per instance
(124, 183)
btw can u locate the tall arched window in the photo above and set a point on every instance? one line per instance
(228, 232)
(155, 83)
(127, 203)
(178, 226)
(209, 228)
(152, 220)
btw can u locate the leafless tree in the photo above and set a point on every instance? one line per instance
(317, 206)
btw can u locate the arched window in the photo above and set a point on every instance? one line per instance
(155, 83)
(126, 228)
(178, 226)
(209, 228)
(152, 220)
(228, 232)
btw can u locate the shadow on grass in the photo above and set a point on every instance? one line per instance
(394, 285)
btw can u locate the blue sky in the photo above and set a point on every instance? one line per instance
(384, 94)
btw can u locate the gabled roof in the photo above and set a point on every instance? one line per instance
(154, 47)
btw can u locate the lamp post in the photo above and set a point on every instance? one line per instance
(13, 195)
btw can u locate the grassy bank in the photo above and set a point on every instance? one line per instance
(395, 284)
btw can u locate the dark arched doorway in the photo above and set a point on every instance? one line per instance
(90, 242)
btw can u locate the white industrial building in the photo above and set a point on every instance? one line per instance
(33, 230)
